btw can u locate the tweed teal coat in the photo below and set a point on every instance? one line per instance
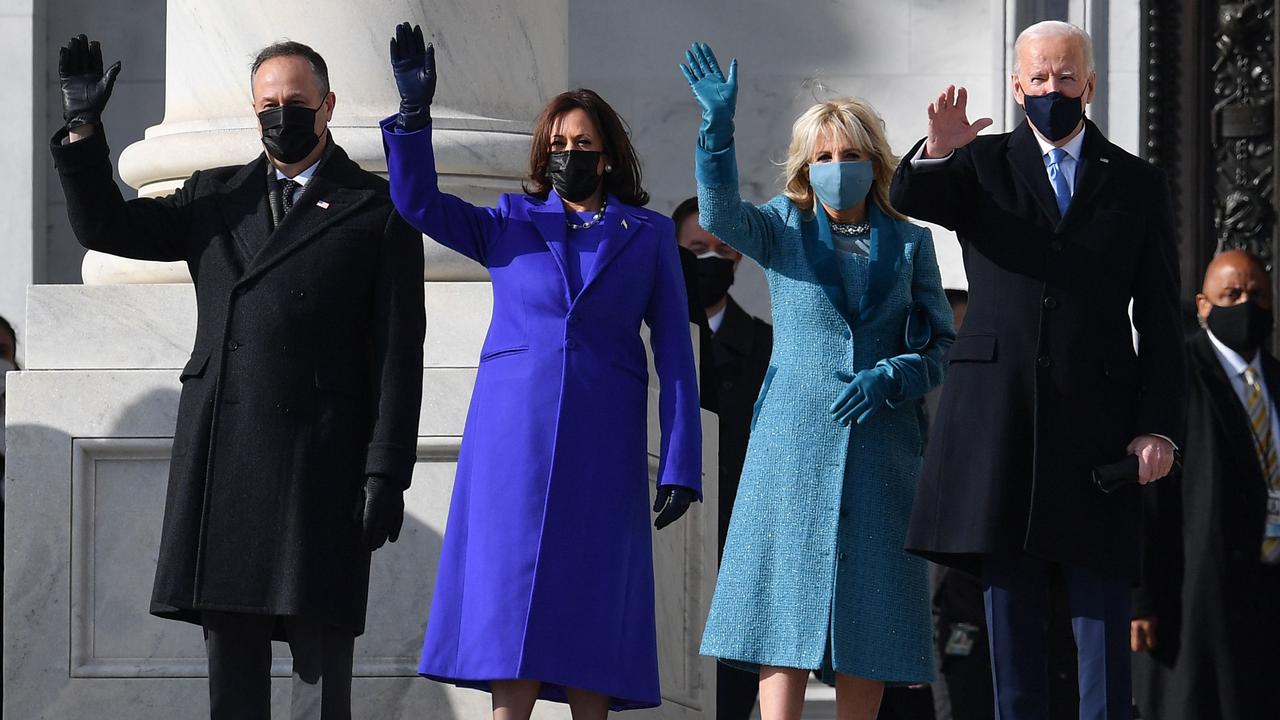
(814, 574)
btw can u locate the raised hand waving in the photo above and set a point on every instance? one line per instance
(949, 126)
(413, 62)
(715, 93)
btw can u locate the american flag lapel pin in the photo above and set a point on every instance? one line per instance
(322, 204)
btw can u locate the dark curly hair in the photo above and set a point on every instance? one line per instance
(624, 181)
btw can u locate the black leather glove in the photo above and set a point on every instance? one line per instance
(381, 512)
(414, 64)
(671, 503)
(85, 88)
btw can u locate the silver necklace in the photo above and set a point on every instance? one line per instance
(595, 219)
(851, 229)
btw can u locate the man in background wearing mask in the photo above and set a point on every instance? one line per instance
(1061, 231)
(291, 453)
(1207, 613)
(740, 350)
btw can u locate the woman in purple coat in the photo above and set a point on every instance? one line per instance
(545, 588)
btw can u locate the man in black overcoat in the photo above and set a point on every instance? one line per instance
(294, 443)
(1207, 613)
(733, 370)
(1061, 231)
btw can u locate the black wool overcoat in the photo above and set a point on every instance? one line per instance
(1043, 383)
(1202, 575)
(306, 376)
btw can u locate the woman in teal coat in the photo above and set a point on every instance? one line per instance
(814, 576)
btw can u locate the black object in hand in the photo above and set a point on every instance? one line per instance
(671, 503)
(381, 512)
(85, 87)
(413, 63)
(1112, 477)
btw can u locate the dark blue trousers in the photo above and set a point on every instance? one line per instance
(1016, 592)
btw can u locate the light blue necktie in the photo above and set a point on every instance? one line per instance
(1058, 178)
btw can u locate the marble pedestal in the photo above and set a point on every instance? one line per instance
(90, 423)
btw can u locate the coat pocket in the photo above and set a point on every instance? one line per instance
(764, 390)
(973, 348)
(503, 352)
(339, 380)
(195, 367)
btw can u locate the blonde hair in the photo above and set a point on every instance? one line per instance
(851, 118)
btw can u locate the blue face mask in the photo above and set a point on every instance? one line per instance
(841, 185)
(1055, 115)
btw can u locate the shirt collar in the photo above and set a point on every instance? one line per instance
(1233, 361)
(301, 178)
(715, 320)
(1073, 148)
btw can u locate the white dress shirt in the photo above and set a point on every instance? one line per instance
(1233, 365)
(301, 178)
(715, 320)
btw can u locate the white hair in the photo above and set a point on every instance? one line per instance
(1055, 28)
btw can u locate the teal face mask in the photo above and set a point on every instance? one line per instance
(841, 185)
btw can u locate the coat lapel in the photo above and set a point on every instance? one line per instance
(620, 226)
(549, 220)
(1093, 170)
(245, 210)
(1226, 404)
(1028, 165)
(886, 261)
(820, 254)
(335, 191)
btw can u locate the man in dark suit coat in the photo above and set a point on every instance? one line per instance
(1061, 230)
(732, 371)
(293, 447)
(1208, 609)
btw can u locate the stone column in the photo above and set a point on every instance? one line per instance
(498, 61)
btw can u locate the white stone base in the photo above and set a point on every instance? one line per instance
(90, 423)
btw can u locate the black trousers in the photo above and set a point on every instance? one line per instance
(239, 647)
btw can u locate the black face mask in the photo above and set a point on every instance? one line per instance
(1244, 327)
(1055, 115)
(289, 132)
(573, 173)
(715, 275)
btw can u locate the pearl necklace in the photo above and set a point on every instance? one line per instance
(851, 229)
(595, 219)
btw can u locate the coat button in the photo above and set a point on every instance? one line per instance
(573, 319)
(233, 345)
(842, 557)
(1044, 361)
(726, 385)
(847, 335)
(1051, 303)
(844, 513)
(299, 294)
(1056, 245)
(570, 343)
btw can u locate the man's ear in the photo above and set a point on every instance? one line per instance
(1016, 87)
(330, 102)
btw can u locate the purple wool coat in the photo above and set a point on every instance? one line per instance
(547, 567)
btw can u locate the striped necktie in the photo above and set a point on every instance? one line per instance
(1260, 422)
(1058, 178)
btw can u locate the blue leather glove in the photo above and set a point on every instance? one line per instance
(717, 95)
(863, 395)
(414, 64)
(671, 503)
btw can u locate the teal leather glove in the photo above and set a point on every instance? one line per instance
(863, 395)
(717, 95)
(413, 62)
